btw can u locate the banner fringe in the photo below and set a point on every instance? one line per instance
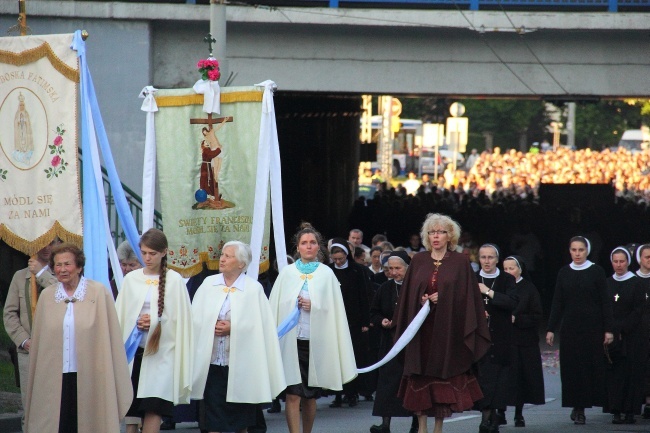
(212, 265)
(32, 247)
(226, 98)
(34, 54)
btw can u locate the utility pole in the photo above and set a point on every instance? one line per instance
(218, 32)
(571, 126)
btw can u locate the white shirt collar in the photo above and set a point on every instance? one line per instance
(642, 275)
(496, 273)
(239, 283)
(625, 276)
(581, 267)
(519, 279)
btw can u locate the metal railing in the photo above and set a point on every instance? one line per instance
(135, 206)
(557, 5)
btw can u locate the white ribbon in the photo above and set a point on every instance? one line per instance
(403, 340)
(211, 95)
(149, 168)
(268, 164)
(99, 184)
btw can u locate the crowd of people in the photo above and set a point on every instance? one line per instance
(340, 306)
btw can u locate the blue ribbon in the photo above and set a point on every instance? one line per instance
(132, 343)
(290, 322)
(93, 228)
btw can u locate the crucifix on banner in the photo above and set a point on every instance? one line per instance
(208, 195)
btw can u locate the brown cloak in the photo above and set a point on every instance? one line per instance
(103, 381)
(460, 334)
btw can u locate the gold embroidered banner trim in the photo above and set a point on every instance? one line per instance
(31, 248)
(34, 54)
(226, 98)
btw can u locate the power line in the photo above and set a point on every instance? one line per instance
(487, 44)
(521, 37)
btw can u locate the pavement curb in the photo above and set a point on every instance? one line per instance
(11, 422)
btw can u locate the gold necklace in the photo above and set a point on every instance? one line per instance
(438, 262)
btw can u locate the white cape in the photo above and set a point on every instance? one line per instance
(255, 374)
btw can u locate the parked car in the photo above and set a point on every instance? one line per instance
(446, 157)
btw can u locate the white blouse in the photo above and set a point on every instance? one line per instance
(69, 341)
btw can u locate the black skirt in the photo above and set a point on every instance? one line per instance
(68, 412)
(302, 389)
(527, 376)
(221, 415)
(496, 384)
(141, 406)
(387, 403)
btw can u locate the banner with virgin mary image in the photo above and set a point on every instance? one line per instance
(39, 168)
(206, 168)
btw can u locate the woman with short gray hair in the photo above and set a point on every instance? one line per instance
(237, 363)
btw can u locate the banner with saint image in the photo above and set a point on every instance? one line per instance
(39, 168)
(207, 174)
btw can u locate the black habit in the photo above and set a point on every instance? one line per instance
(383, 307)
(527, 374)
(624, 389)
(582, 313)
(494, 369)
(354, 288)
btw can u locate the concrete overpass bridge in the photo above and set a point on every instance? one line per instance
(323, 58)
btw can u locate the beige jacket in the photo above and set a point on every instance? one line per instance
(104, 390)
(17, 313)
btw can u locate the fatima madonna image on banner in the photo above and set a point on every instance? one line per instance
(39, 176)
(206, 171)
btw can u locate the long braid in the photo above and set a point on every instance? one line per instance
(154, 339)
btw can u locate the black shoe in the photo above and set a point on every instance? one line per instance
(580, 418)
(168, 424)
(573, 414)
(414, 430)
(275, 407)
(484, 427)
(646, 412)
(519, 421)
(501, 416)
(353, 401)
(616, 419)
(368, 397)
(629, 418)
(336, 403)
(381, 428)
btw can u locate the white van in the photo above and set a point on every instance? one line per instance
(635, 140)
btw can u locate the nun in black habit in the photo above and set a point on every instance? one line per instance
(499, 293)
(527, 375)
(582, 312)
(387, 403)
(625, 390)
(354, 288)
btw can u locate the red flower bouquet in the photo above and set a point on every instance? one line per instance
(209, 69)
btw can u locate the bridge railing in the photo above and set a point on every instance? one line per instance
(135, 206)
(609, 5)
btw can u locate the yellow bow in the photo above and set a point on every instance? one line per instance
(309, 277)
(150, 282)
(229, 289)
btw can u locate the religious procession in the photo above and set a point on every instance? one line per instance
(218, 321)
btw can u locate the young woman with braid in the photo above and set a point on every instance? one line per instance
(155, 300)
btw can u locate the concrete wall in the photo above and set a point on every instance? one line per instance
(348, 51)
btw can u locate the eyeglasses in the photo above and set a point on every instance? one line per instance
(438, 232)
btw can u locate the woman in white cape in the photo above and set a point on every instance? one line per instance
(155, 300)
(237, 360)
(317, 353)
